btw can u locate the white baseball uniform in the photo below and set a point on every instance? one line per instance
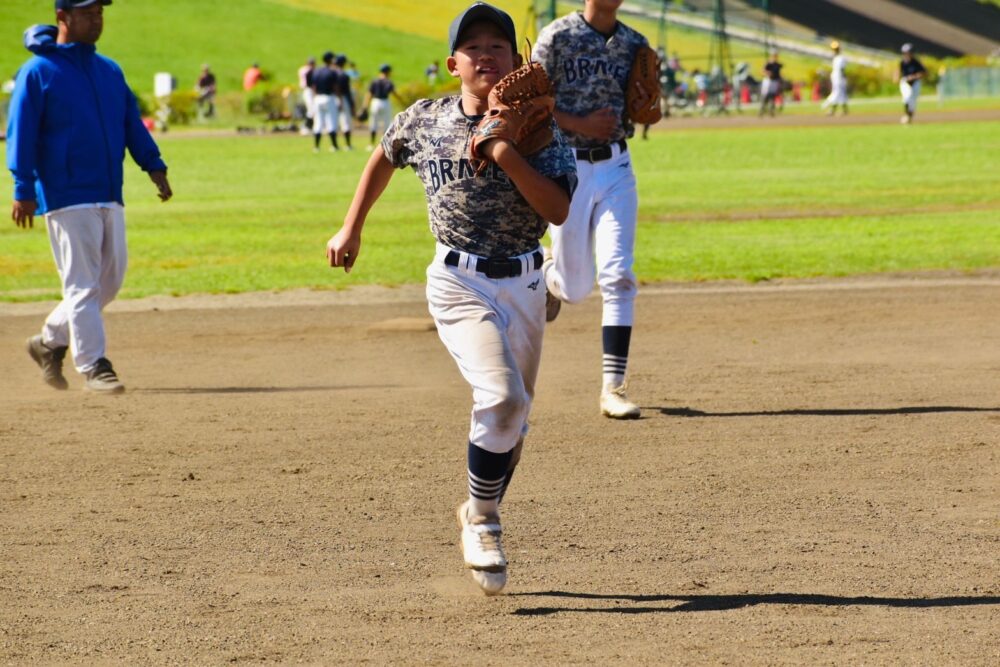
(590, 72)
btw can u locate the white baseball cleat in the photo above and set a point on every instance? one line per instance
(615, 404)
(482, 550)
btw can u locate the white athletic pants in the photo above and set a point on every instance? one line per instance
(379, 115)
(838, 92)
(89, 248)
(346, 121)
(493, 329)
(910, 92)
(601, 225)
(325, 116)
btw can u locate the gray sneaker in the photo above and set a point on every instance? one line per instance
(50, 360)
(102, 378)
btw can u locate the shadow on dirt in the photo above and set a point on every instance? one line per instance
(252, 390)
(824, 412)
(726, 602)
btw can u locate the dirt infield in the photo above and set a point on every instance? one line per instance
(814, 481)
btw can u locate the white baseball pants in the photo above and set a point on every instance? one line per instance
(326, 110)
(601, 226)
(346, 121)
(838, 92)
(493, 329)
(379, 115)
(89, 248)
(910, 91)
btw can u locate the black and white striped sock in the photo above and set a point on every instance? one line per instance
(616, 343)
(487, 480)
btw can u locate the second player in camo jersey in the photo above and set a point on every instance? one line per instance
(484, 286)
(588, 56)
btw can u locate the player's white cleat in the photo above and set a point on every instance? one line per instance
(482, 550)
(615, 404)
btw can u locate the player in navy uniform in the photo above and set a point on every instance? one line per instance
(911, 73)
(345, 99)
(772, 86)
(485, 287)
(588, 56)
(323, 82)
(377, 103)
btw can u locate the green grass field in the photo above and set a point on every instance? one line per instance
(254, 213)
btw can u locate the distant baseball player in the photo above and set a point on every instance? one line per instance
(326, 105)
(488, 206)
(838, 82)
(72, 116)
(345, 99)
(589, 57)
(771, 86)
(911, 73)
(305, 87)
(378, 105)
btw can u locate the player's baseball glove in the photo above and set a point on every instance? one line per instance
(363, 116)
(520, 110)
(642, 98)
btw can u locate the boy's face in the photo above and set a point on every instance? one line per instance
(605, 5)
(483, 57)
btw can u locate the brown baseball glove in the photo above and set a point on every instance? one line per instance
(520, 111)
(642, 98)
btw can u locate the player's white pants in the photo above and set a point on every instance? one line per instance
(601, 225)
(838, 92)
(910, 91)
(326, 112)
(345, 114)
(309, 102)
(89, 248)
(379, 115)
(493, 329)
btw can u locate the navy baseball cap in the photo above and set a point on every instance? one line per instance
(481, 11)
(76, 4)
(385, 68)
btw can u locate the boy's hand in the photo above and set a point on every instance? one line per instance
(342, 249)
(23, 212)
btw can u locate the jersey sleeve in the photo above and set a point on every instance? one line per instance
(557, 160)
(543, 51)
(399, 141)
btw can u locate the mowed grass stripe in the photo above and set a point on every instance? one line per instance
(254, 213)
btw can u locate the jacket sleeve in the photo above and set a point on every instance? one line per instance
(140, 144)
(23, 127)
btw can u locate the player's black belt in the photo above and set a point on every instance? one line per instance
(495, 268)
(601, 153)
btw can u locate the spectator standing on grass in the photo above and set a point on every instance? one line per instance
(72, 117)
(206, 92)
(911, 73)
(838, 82)
(251, 77)
(432, 73)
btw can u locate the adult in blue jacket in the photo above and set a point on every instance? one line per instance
(71, 118)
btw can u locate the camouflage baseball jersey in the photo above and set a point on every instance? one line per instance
(484, 215)
(588, 71)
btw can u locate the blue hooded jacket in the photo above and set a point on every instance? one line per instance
(71, 118)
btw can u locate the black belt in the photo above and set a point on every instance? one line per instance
(496, 267)
(601, 153)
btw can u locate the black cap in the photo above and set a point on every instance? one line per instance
(481, 11)
(328, 57)
(75, 4)
(341, 59)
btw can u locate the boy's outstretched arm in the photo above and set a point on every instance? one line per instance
(343, 247)
(542, 193)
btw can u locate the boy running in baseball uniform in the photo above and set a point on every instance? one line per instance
(484, 287)
(326, 108)
(588, 56)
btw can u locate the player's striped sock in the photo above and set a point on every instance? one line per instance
(616, 342)
(487, 477)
